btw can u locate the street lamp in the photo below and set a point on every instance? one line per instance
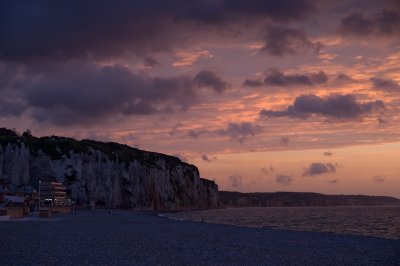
(40, 182)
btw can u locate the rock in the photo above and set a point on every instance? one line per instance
(109, 173)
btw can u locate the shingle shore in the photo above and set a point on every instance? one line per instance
(142, 238)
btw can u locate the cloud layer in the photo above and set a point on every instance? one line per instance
(383, 23)
(275, 77)
(87, 93)
(235, 131)
(87, 29)
(280, 40)
(386, 85)
(334, 106)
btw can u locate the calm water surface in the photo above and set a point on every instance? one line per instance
(370, 221)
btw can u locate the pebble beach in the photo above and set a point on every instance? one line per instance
(144, 238)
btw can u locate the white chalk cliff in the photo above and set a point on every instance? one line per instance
(109, 173)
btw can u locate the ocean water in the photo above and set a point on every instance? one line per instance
(370, 221)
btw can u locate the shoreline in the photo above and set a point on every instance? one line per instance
(143, 238)
(342, 220)
(277, 228)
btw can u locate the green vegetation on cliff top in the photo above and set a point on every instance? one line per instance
(56, 147)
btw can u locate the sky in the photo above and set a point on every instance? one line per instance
(288, 95)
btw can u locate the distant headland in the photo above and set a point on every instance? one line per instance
(298, 199)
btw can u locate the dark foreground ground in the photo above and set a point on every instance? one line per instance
(126, 238)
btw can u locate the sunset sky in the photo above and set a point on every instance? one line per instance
(288, 95)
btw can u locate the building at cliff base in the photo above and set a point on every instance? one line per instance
(53, 194)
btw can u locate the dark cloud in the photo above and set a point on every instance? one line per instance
(11, 108)
(356, 23)
(87, 93)
(334, 106)
(328, 153)
(93, 29)
(343, 79)
(386, 85)
(267, 170)
(379, 178)
(383, 23)
(281, 40)
(239, 131)
(175, 129)
(235, 181)
(319, 77)
(253, 83)
(274, 77)
(284, 180)
(319, 169)
(150, 61)
(235, 131)
(62, 48)
(197, 133)
(395, 4)
(8, 74)
(285, 141)
(209, 79)
(208, 158)
(94, 93)
(279, 11)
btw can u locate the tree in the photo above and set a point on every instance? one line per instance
(27, 134)
(8, 132)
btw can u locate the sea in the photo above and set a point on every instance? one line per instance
(368, 221)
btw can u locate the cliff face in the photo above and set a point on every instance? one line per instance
(108, 173)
